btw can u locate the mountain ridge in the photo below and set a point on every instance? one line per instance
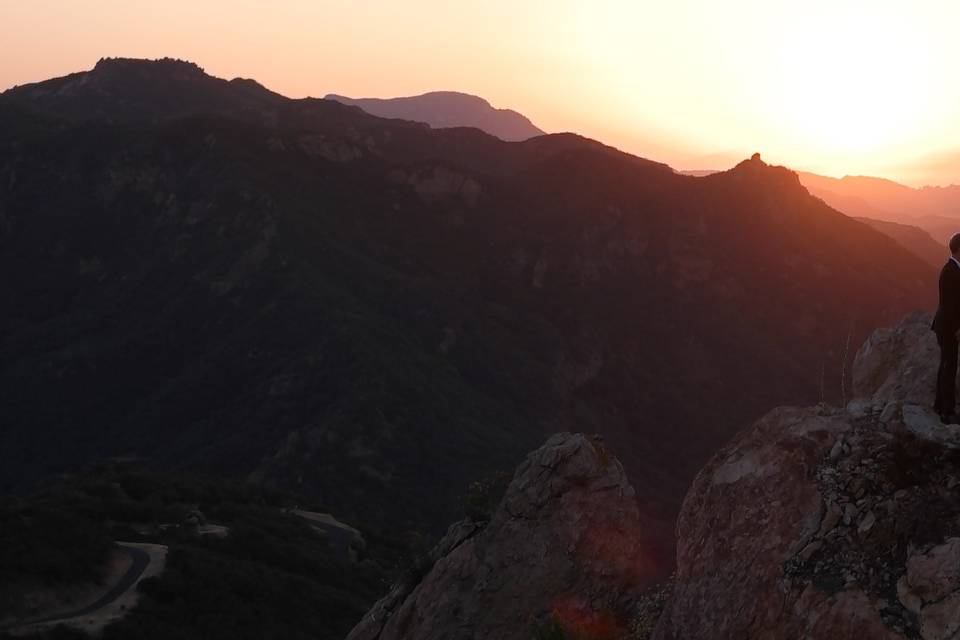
(913, 234)
(936, 210)
(372, 311)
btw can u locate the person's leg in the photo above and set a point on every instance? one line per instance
(938, 401)
(949, 399)
(939, 405)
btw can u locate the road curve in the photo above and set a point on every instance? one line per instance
(140, 561)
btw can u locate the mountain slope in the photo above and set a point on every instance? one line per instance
(936, 210)
(913, 239)
(441, 109)
(376, 313)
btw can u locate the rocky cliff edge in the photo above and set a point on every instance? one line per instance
(830, 523)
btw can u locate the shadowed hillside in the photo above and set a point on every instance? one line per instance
(375, 313)
(913, 239)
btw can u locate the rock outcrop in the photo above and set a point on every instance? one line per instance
(564, 550)
(818, 522)
(897, 364)
(830, 523)
(894, 374)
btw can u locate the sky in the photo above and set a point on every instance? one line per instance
(837, 87)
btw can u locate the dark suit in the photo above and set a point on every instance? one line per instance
(946, 324)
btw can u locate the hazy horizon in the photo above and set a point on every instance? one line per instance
(833, 90)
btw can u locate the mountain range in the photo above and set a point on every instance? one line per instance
(936, 210)
(913, 239)
(213, 277)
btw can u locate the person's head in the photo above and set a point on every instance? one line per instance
(955, 245)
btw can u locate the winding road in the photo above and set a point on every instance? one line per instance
(140, 560)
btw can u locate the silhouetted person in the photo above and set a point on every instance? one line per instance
(947, 326)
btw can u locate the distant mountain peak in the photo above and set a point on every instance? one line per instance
(452, 96)
(756, 168)
(754, 161)
(159, 64)
(131, 89)
(444, 109)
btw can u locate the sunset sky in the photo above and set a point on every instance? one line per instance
(829, 86)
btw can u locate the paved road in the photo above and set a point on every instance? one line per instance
(341, 536)
(140, 560)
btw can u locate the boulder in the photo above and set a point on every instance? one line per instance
(898, 364)
(564, 549)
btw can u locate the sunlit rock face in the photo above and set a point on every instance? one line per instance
(898, 363)
(564, 549)
(830, 523)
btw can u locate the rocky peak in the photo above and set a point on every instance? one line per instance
(109, 65)
(755, 169)
(564, 548)
(826, 522)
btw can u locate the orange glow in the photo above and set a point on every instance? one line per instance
(578, 620)
(874, 87)
(834, 87)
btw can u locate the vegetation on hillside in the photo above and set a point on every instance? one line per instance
(272, 576)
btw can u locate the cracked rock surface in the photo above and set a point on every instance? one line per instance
(564, 545)
(830, 523)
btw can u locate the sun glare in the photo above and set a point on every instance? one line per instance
(858, 84)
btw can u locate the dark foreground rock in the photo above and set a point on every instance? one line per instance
(830, 523)
(818, 522)
(564, 550)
